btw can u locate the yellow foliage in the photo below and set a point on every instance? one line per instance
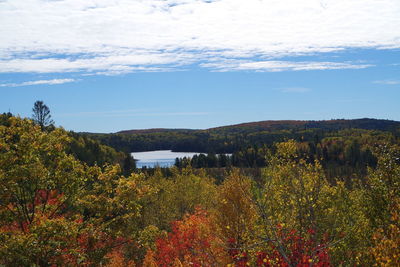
(296, 195)
(293, 188)
(387, 242)
(177, 263)
(235, 212)
(177, 195)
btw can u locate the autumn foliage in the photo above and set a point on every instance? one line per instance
(300, 251)
(192, 242)
(57, 211)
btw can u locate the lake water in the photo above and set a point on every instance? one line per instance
(162, 158)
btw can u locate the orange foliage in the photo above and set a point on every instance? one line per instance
(387, 241)
(149, 260)
(117, 259)
(192, 242)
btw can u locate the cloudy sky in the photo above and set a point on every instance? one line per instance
(109, 65)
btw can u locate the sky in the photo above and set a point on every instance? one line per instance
(111, 65)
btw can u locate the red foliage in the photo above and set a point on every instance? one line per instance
(191, 241)
(299, 251)
(49, 197)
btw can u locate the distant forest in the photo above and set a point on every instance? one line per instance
(229, 139)
(344, 147)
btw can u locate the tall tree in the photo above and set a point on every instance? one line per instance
(41, 114)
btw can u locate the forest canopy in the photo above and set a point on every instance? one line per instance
(60, 207)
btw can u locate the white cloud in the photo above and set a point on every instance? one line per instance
(39, 82)
(113, 64)
(276, 66)
(388, 82)
(122, 36)
(295, 90)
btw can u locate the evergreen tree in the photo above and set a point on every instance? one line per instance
(129, 164)
(41, 114)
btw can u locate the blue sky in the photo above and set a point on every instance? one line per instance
(105, 66)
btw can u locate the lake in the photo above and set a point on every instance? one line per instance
(161, 158)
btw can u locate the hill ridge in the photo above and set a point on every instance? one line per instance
(362, 123)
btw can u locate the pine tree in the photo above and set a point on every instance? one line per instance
(41, 114)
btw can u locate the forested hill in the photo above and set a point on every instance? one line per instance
(155, 130)
(229, 139)
(277, 125)
(338, 124)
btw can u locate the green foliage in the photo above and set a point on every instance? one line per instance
(39, 182)
(55, 209)
(32, 161)
(295, 194)
(93, 153)
(112, 201)
(177, 195)
(383, 186)
(66, 201)
(48, 241)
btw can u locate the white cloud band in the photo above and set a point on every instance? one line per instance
(148, 35)
(39, 82)
(387, 82)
